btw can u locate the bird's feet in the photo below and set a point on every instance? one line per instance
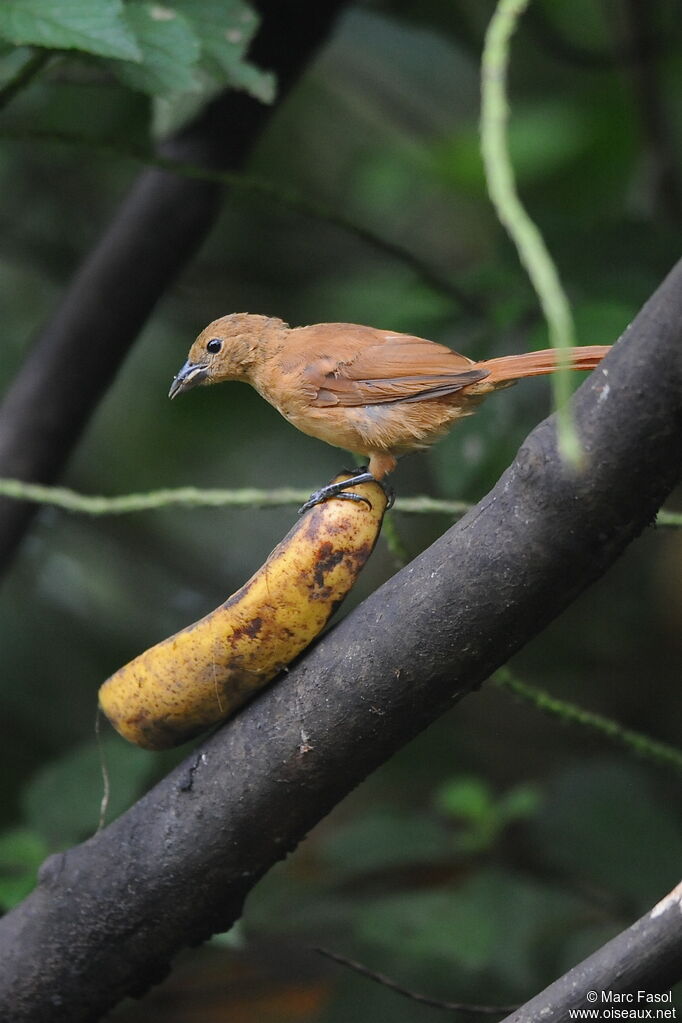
(341, 490)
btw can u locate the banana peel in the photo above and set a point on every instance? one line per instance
(201, 675)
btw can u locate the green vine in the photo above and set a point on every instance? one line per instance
(658, 753)
(246, 497)
(530, 245)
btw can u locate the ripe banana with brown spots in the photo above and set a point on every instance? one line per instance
(199, 676)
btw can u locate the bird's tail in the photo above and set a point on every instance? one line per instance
(535, 364)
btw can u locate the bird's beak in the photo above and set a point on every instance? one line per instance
(191, 374)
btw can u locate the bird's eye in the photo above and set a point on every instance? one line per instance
(214, 345)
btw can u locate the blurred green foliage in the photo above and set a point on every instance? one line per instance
(471, 802)
(499, 847)
(180, 53)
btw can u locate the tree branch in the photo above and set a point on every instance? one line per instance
(108, 915)
(155, 233)
(646, 957)
(619, 54)
(256, 187)
(650, 97)
(415, 996)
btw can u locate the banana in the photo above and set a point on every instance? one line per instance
(199, 676)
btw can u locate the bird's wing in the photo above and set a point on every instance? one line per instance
(363, 366)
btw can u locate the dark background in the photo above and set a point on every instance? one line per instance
(501, 846)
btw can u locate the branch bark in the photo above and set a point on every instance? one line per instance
(107, 915)
(646, 957)
(155, 232)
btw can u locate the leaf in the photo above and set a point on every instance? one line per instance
(481, 816)
(521, 802)
(260, 84)
(468, 798)
(62, 801)
(385, 839)
(494, 922)
(93, 27)
(225, 28)
(603, 823)
(453, 927)
(169, 47)
(172, 110)
(21, 853)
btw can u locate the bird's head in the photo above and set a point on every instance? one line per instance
(226, 350)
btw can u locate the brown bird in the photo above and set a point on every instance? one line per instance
(374, 392)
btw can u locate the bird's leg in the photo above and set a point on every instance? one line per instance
(341, 490)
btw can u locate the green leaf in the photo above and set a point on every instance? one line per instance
(62, 801)
(495, 921)
(480, 814)
(21, 853)
(456, 927)
(385, 839)
(470, 801)
(604, 823)
(225, 28)
(170, 50)
(260, 84)
(93, 27)
(468, 798)
(521, 802)
(172, 110)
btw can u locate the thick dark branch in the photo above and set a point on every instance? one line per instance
(646, 958)
(108, 914)
(155, 232)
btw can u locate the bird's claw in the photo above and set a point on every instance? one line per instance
(341, 491)
(320, 495)
(338, 490)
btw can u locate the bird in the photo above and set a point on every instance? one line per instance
(378, 393)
